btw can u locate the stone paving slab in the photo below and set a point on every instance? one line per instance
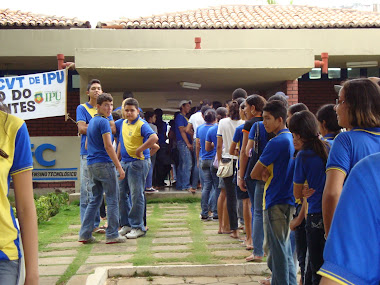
(231, 253)
(114, 248)
(52, 270)
(224, 245)
(69, 244)
(49, 280)
(58, 253)
(56, 260)
(212, 231)
(166, 220)
(77, 280)
(221, 238)
(201, 280)
(210, 225)
(169, 247)
(174, 229)
(167, 280)
(90, 268)
(174, 224)
(131, 281)
(77, 227)
(107, 258)
(173, 240)
(71, 237)
(171, 254)
(172, 233)
(176, 215)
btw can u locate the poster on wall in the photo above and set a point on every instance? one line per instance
(33, 96)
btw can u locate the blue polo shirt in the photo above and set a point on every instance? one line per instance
(310, 167)
(263, 135)
(181, 121)
(277, 157)
(97, 128)
(211, 135)
(132, 135)
(238, 136)
(356, 225)
(202, 131)
(350, 147)
(85, 112)
(15, 142)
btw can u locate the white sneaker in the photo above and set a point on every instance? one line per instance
(135, 233)
(119, 239)
(124, 230)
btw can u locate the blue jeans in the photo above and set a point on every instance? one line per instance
(216, 190)
(207, 187)
(135, 175)
(184, 166)
(125, 199)
(195, 173)
(85, 194)
(9, 272)
(280, 258)
(149, 178)
(103, 179)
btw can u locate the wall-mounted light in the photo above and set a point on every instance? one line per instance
(357, 64)
(190, 85)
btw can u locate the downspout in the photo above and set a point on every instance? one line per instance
(324, 63)
(62, 64)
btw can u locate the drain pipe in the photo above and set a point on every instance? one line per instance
(62, 64)
(324, 63)
(198, 42)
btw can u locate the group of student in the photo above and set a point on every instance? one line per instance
(102, 166)
(290, 168)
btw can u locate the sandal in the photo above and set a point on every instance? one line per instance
(99, 231)
(266, 281)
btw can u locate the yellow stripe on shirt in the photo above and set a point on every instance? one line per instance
(334, 277)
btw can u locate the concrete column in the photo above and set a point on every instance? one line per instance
(292, 91)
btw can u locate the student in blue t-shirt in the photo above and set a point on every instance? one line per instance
(205, 160)
(101, 162)
(85, 112)
(276, 167)
(136, 138)
(310, 165)
(352, 251)
(16, 163)
(328, 123)
(358, 109)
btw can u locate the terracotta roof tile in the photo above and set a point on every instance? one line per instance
(255, 17)
(16, 19)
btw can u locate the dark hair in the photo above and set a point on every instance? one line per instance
(127, 94)
(279, 97)
(204, 109)
(327, 113)
(3, 107)
(362, 96)
(221, 113)
(239, 93)
(148, 115)
(203, 102)
(141, 114)
(210, 115)
(131, 102)
(276, 108)
(216, 104)
(116, 115)
(233, 109)
(104, 97)
(305, 125)
(297, 108)
(93, 81)
(257, 101)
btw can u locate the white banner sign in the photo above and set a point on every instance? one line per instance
(35, 96)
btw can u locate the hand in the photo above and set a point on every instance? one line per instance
(307, 192)
(190, 146)
(242, 184)
(121, 173)
(139, 153)
(265, 175)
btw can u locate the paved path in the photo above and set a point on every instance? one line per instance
(176, 236)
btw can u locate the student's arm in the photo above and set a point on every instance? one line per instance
(189, 128)
(112, 154)
(197, 149)
(182, 130)
(219, 148)
(153, 138)
(331, 195)
(26, 213)
(243, 158)
(232, 150)
(297, 191)
(113, 127)
(209, 146)
(248, 147)
(257, 171)
(327, 281)
(301, 216)
(118, 152)
(82, 128)
(154, 149)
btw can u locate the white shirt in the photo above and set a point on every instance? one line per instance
(196, 120)
(226, 130)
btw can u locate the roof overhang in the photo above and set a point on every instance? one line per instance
(152, 70)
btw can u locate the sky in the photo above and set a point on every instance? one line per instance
(97, 10)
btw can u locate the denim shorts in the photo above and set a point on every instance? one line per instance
(9, 272)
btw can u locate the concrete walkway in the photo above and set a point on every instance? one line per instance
(176, 236)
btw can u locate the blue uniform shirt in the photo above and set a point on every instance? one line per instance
(352, 250)
(181, 121)
(202, 131)
(132, 135)
(238, 136)
(309, 166)
(85, 112)
(97, 128)
(263, 135)
(211, 135)
(277, 157)
(350, 147)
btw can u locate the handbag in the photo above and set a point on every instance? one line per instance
(226, 168)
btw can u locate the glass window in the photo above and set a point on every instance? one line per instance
(75, 81)
(373, 72)
(334, 73)
(353, 72)
(315, 73)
